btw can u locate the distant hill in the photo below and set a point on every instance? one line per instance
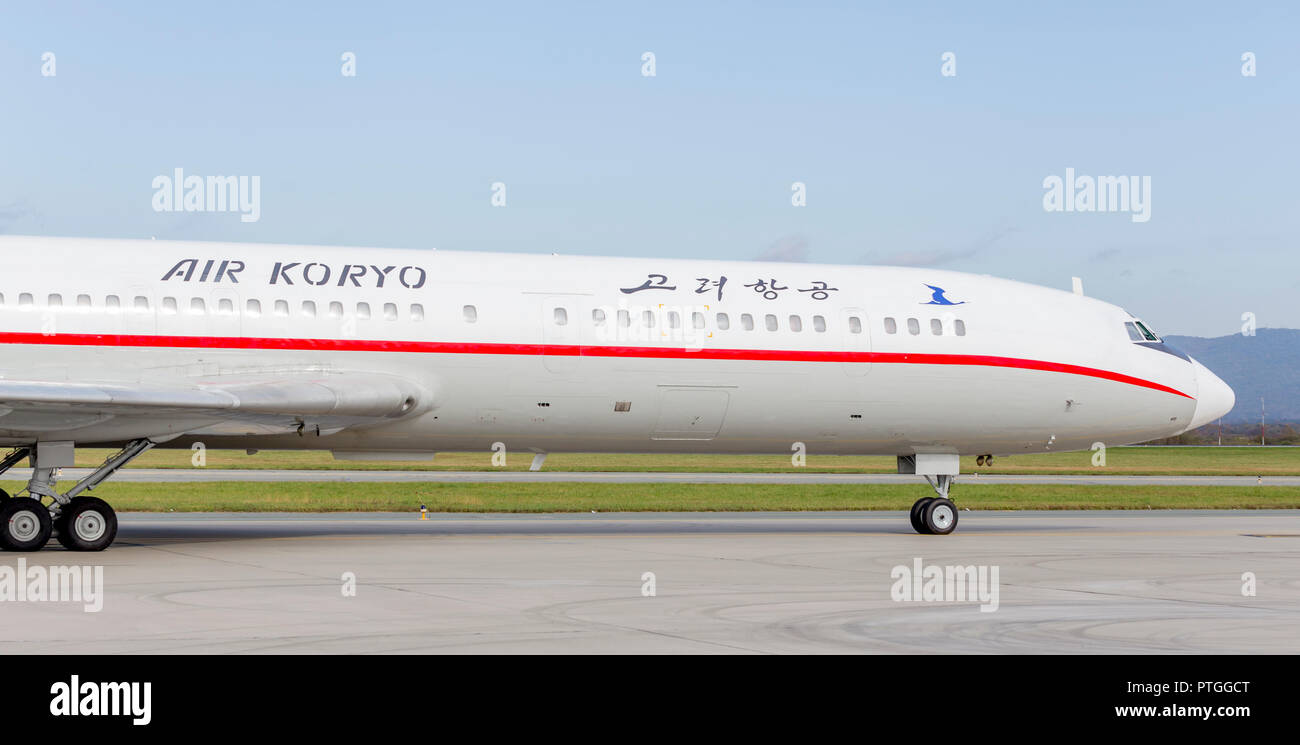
(1266, 364)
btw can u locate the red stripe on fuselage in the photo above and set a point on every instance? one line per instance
(564, 350)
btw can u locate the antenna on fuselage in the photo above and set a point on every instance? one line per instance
(1078, 285)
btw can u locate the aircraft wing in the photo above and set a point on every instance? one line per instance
(226, 404)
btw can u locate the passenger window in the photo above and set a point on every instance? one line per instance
(197, 308)
(253, 307)
(561, 317)
(309, 308)
(624, 319)
(960, 327)
(363, 311)
(142, 304)
(891, 326)
(819, 324)
(336, 309)
(390, 311)
(936, 327)
(225, 307)
(747, 321)
(470, 314)
(281, 307)
(913, 326)
(112, 302)
(697, 320)
(598, 316)
(724, 322)
(55, 300)
(417, 312)
(648, 319)
(674, 319)
(25, 300)
(855, 325)
(83, 301)
(769, 321)
(169, 305)
(796, 323)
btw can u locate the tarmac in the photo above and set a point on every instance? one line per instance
(1142, 582)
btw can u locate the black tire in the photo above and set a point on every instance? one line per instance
(87, 524)
(918, 508)
(940, 516)
(24, 525)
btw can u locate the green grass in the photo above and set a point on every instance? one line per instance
(583, 497)
(1241, 461)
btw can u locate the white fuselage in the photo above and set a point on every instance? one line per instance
(565, 353)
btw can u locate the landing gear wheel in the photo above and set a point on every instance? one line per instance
(24, 525)
(87, 524)
(940, 516)
(918, 509)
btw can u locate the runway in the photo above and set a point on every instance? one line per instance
(641, 477)
(1070, 582)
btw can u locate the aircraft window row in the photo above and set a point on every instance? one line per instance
(648, 319)
(335, 309)
(914, 326)
(226, 307)
(771, 322)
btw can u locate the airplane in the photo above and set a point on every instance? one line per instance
(403, 353)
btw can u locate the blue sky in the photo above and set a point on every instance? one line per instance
(902, 164)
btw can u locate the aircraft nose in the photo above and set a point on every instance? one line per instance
(1213, 396)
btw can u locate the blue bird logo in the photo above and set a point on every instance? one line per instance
(939, 299)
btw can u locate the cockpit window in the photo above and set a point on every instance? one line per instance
(1137, 331)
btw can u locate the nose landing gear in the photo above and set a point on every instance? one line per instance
(933, 515)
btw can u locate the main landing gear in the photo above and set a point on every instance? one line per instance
(79, 523)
